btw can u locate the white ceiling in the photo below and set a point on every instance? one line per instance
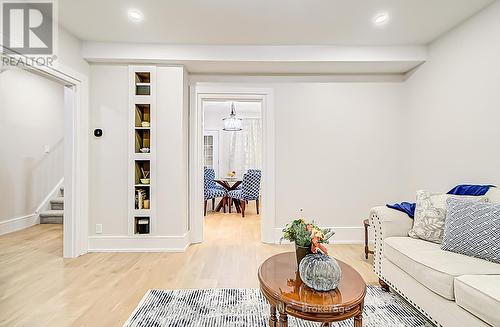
(266, 22)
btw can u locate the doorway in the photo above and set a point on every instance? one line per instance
(232, 163)
(215, 95)
(74, 147)
(34, 134)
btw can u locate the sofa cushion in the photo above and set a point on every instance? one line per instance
(480, 295)
(473, 229)
(430, 215)
(433, 267)
(493, 195)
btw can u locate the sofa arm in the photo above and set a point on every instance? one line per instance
(386, 222)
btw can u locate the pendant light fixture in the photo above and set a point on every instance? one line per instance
(232, 123)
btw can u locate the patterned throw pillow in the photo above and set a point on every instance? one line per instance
(430, 215)
(473, 229)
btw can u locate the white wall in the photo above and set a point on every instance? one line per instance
(31, 111)
(108, 172)
(453, 109)
(172, 151)
(213, 114)
(108, 155)
(69, 57)
(337, 151)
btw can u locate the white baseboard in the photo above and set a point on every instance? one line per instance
(343, 235)
(18, 223)
(138, 243)
(44, 205)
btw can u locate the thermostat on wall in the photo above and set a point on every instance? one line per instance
(97, 132)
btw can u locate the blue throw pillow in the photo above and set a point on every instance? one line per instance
(473, 229)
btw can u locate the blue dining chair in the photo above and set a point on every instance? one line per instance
(209, 175)
(250, 189)
(254, 171)
(250, 171)
(212, 190)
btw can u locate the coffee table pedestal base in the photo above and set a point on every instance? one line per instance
(273, 321)
(283, 319)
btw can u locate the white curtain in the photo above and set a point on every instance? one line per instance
(246, 147)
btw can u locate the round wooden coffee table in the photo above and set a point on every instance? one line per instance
(281, 285)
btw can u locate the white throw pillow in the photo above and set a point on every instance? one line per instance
(430, 215)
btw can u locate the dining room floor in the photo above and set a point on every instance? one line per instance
(40, 288)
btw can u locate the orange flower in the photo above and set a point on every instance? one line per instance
(315, 245)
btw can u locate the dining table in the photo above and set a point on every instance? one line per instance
(230, 184)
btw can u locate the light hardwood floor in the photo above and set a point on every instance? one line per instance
(39, 288)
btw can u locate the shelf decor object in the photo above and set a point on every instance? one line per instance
(143, 83)
(142, 115)
(142, 150)
(232, 123)
(142, 225)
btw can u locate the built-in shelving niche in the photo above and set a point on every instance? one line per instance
(142, 115)
(142, 83)
(142, 172)
(142, 197)
(142, 151)
(142, 225)
(142, 140)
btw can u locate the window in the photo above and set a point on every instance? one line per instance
(211, 150)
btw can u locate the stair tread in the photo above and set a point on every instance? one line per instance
(52, 213)
(52, 220)
(57, 200)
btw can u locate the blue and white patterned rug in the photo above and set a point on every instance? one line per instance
(249, 308)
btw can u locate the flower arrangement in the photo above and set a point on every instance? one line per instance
(308, 235)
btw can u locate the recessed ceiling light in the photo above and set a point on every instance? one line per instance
(381, 19)
(135, 15)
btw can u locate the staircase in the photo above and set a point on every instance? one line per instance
(56, 212)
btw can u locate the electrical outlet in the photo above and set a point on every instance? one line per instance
(98, 228)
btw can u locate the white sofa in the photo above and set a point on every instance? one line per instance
(450, 289)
